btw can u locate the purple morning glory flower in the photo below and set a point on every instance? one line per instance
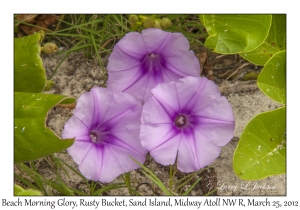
(106, 128)
(139, 61)
(188, 118)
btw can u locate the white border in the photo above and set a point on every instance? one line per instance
(153, 6)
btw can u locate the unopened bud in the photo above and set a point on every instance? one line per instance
(157, 24)
(149, 23)
(165, 22)
(49, 48)
(133, 19)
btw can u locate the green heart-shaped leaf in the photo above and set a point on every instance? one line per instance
(261, 151)
(32, 138)
(29, 73)
(275, 42)
(230, 34)
(272, 78)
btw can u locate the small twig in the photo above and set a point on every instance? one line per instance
(220, 56)
(222, 75)
(108, 41)
(243, 65)
(227, 67)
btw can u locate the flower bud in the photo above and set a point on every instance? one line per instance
(133, 19)
(142, 17)
(49, 48)
(165, 22)
(149, 23)
(157, 24)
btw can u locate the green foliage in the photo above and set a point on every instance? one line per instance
(230, 34)
(49, 85)
(29, 73)
(33, 139)
(148, 173)
(93, 34)
(274, 43)
(19, 191)
(190, 27)
(272, 79)
(260, 39)
(171, 190)
(261, 151)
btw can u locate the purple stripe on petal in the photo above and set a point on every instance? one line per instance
(85, 109)
(153, 135)
(183, 65)
(118, 60)
(141, 88)
(207, 151)
(154, 39)
(74, 127)
(176, 44)
(130, 146)
(91, 163)
(117, 161)
(166, 93)
(133, 44)
(83, 147)
(218, 109)
(154, 112)
(220, 132)
(187, 160)
(169, 75)
(166, 153)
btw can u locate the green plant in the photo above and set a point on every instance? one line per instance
(261, 40)
(32, 139)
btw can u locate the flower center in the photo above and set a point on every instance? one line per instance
(181, 121)
(99, 137)
(94, 137)
(152, 63)
(152, 55)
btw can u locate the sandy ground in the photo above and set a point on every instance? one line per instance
(77, 75)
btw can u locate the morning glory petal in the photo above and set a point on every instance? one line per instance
(75, 127)
(155, 40)
(207, 151)
(187, 160)
(154, 135)
(155, 112)
(166, 152)
(135, 50)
